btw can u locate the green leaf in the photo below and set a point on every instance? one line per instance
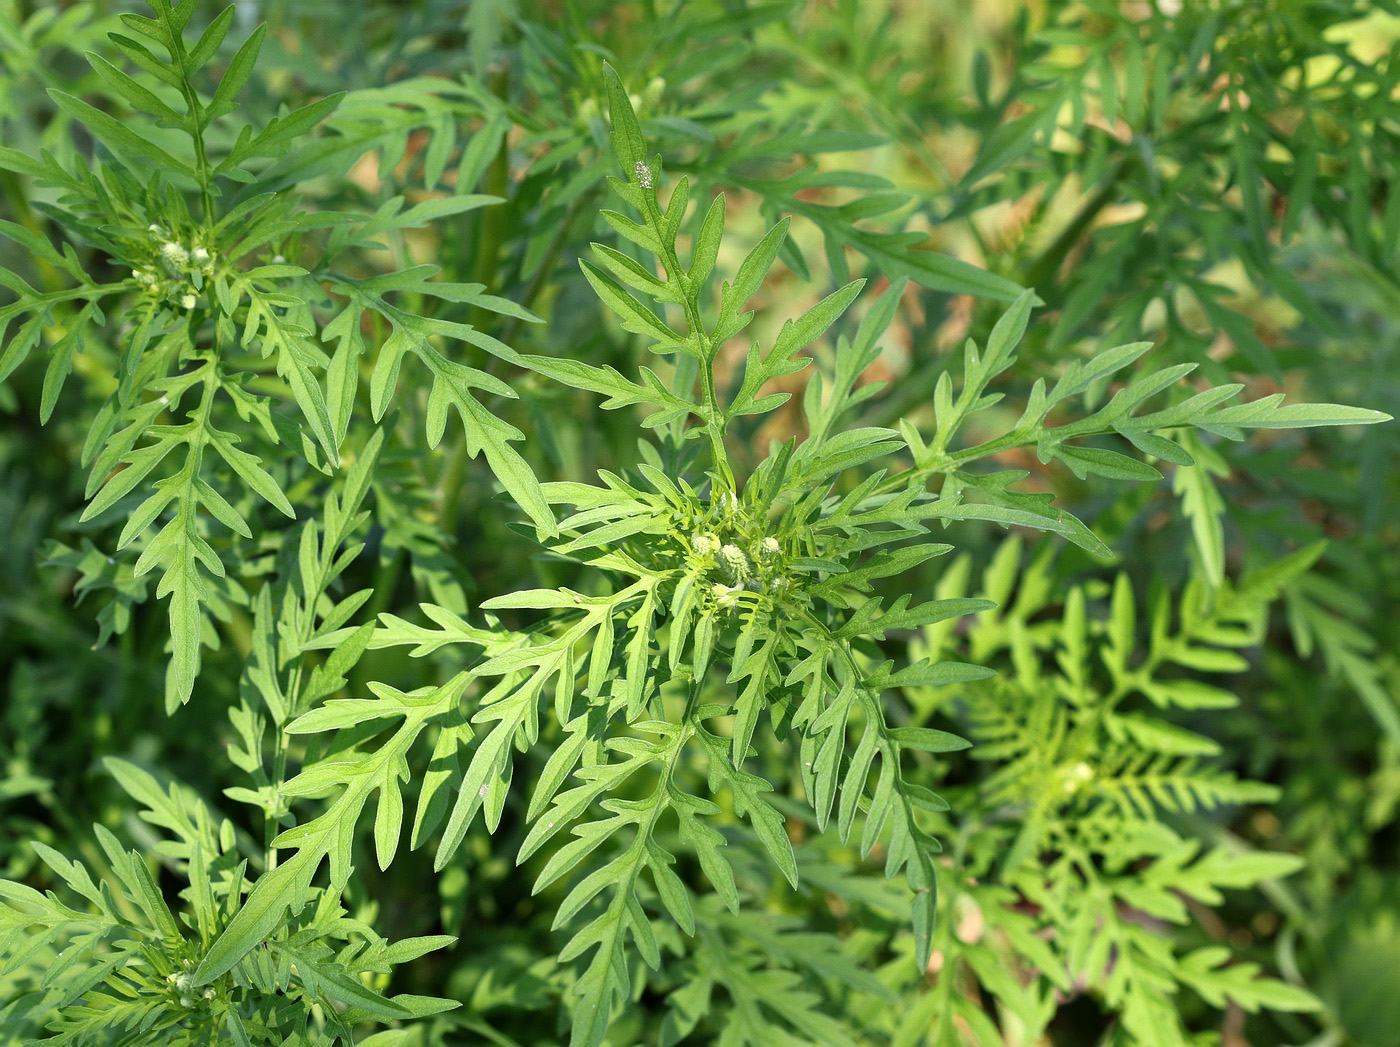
(1269, 413)
(240, 68)
(749, 278)
(927, 740)
(535, 598)
(1203, 505)
(140, 98)
(626, 134)
(636, 317)
(249, 470)
(938, 674)
(114, 133)
(208, 43)
(276, 892)
(1099, 461)
(1002, 342)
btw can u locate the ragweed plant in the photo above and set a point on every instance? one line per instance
(719, 702)
(730, 615)
(1094, 766)
(210, 317)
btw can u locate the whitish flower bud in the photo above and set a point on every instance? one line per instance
(735, 561)
(726, 596)
(768, 548)
(704, 544)
(189, 301)
(174, 255)
(199, 256)
(1076, 776)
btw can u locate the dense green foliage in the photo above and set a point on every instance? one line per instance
(508, 524)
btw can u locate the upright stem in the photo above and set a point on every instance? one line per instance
(196, 114)
(713, 415)
(492, 229)
(545, 269)
(489, 236)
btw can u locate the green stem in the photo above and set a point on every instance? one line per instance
(489, 236)
(305, 632)
(454, 474)
(546, 267)
(713, 416)
(492, 228)
(196, 115)
(636, 854)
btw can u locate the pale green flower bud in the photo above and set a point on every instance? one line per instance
(735, 561)
(1076, 776)
(704, 544)
(726, 596)
(175, 257)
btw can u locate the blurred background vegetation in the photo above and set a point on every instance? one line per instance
(1218, 177)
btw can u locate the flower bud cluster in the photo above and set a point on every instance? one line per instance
(176, 270)
(729, 554)
(182, 985)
